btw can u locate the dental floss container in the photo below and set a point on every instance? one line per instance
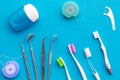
(23, 17)
(70, 9)
(11, 69)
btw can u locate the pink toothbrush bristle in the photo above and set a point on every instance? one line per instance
(72, 48)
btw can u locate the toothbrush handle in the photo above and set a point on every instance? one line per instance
(106, 59)
(80, 68)
(67, 73)
(97, 76)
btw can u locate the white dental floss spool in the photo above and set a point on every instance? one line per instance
(11, 69)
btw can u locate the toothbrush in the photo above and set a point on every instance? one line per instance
(72, 51)
(94, 71)
(111, 16)
(97, 36)
(88, 55)
(62, 64)
(54, 38)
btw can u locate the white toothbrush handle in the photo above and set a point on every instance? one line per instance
(79, 67)
(67, 73)
(106, 58)
(97, 76)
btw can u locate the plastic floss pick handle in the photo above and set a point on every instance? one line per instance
(111, 16)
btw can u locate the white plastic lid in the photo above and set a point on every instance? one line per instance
(10, 69)
(31, 12)
(87, 52)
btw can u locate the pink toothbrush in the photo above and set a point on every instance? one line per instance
(72, 51)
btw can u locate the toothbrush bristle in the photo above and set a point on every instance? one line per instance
(87, 52)
(60, 62)
(72, 48)
(95, 34)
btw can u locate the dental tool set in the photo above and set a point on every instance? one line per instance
(111, 17)
(61, 63)
(88, 55)
(27, 16)
(107, 64)
(72, 50)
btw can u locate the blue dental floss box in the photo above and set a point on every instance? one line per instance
(23, 17)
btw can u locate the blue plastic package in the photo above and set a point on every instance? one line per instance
(23, 17)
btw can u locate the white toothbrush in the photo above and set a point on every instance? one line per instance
(111, 16)
(88, 55)
(62, 64)
(97, 36)
(72, 51)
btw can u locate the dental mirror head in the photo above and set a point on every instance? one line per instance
(30, 36)
(54, 38)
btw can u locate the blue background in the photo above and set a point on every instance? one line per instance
(77, 31)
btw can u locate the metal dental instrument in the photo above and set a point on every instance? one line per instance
(54, 38)
(30, 37)
(25, 61)
(43, 58)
